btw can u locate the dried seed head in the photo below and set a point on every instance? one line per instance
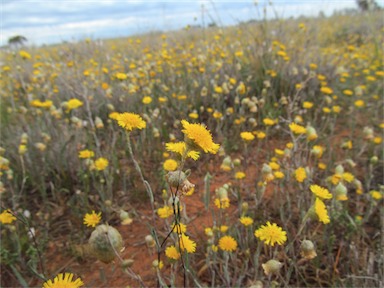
(104, 241)
(178, 180)
(308, 250)
(272, 267)
(150, 241)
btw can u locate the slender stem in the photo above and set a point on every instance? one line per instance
(34, 242)
(145, 182)
(127, 269)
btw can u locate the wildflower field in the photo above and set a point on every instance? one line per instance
(245, 156)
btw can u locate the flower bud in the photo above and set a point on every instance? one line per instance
(368, 133)
(339, 169)
(40, 146)
(127, 263)
(266, 169)
(110, 107)
(99, 123)
(222, 193)
(244, 208)
(24, 138)
(22, 149)
(307, 250)
(157, 265)
(156, 133)
(125, 218)
(104, 241)
(374, 160)
(284, 100)
(236, 162)
(150, 241)
(311, 133)
(341, 192)
(350, 163)
(256, 284)
(272, 267)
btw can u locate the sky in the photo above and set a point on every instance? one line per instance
(55, 21)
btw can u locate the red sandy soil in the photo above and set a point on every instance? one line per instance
(97, 274)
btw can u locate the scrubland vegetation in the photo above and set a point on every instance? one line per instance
(259, 146)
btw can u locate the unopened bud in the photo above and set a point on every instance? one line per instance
(272, 267)
(308, 249)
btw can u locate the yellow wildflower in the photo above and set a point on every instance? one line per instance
(227, 243)
(271, 234)
(297, 129)
(130, 121)
(300, 174)
(101, 163)
(321, 211)
(63, 281)
(6, 217)
(187, 244)
(92, 219)
(200, 136)
(247, 136)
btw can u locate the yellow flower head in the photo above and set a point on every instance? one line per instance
(348, 177)
(278, 175)
(113, 115)
(193, 115)
(170, 165)
(172, 253)
(187, 244)
(260, 134)
(63, 280)
(322, 166)
(180, 148)
(359, 103)
(297, 129)
(179, 228)
(200, 136)
(320, 192)
(246, 221)
(240, 175)
(227, 243)
(321, 211)
(300, 174)
(222, 203)
(326, 90)
(269, 122)
(318, 151)
(271, 234)
(307, 105)
(147, 100)
(377, 140)
(101, 163)
(130, 121)
(274, 165)
(376, 195)
(165, 212)
(41, 104)
(25, 55)
(247, 136)
(121, 76)
(6, 217)
(73, 104)
(85, 154)
(92, 219)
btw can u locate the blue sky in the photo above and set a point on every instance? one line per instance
(53, 21)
